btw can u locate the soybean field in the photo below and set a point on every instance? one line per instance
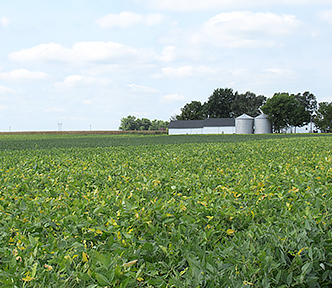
(166, 211)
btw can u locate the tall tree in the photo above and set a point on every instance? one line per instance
(286, 110)
(308, 101)
(298, 116)
(157, 124)
(247, 103)
(128, 123)
(323, 118)
(143, 124)
(219, 103)
(192, 111)
(279, 109)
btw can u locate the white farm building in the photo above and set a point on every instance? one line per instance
(207, 126)
(243, 124)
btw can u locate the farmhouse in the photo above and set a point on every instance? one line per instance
(243, 124)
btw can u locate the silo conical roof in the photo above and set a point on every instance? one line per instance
(244, 116)
(262, 116)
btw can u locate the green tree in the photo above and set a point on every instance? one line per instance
(299, 116)
(192, 111)
(158, 124)
(129, 123)
(219, 103)
(279, 109)
(308, 101)
(323, 117)
(143, 124)
(286, 110)
(247, 103)
(132, 123)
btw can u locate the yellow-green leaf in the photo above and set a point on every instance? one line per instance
(230, 232)
(140, 279)
(85, 257)
(129, 264)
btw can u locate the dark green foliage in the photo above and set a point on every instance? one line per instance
(223, 103)
(308, 101)
(131, 123)
(323, 118)
(247, 103)
(219, 104)
(192, 111)
(286, 110)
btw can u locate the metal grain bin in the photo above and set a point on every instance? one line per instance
(244, 124)
(262, 125)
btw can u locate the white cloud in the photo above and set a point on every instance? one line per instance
(23, 74)
(81, 52)
(5, 90)
(199, 5)
(54, 110)
(140, 88)
(168, 54)
(186, 71)
(2, 108)
(280, 72)
(171, 98)
(87, 102)
(126, 19)
(326, 16)
(245, 29)
(261, 80)
(80, 80)
(4, 21)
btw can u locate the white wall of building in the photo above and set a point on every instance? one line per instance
(205, 130)
(305, 129)
(173, 131)
(219, 130)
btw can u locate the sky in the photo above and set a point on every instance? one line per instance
(86, 64)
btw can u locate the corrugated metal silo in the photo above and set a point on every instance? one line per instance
(262, 125)
(244, 124)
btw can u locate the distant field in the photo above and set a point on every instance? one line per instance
(51, 141)
(166, 211)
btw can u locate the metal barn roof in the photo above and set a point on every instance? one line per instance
(209, 122)
(219, 122)
(183, 124)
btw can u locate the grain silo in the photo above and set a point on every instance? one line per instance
(244, 124)
(262, 125)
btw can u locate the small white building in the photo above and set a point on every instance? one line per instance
(309, 128)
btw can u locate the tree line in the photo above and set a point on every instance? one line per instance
(283, 109)
(131, 123)
(223, 103)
